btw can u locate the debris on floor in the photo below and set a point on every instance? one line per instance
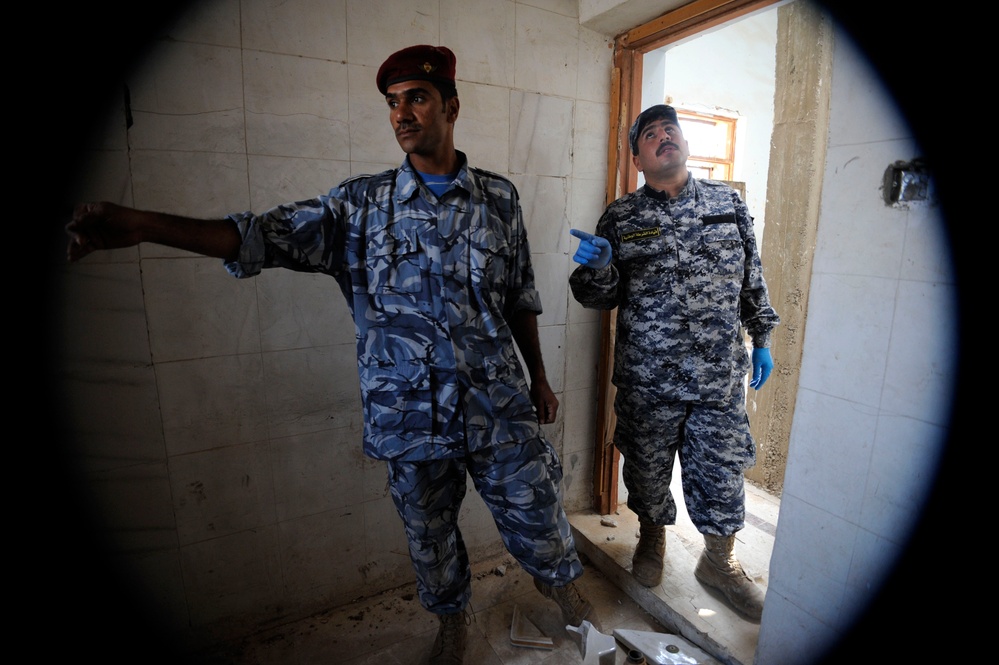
(523, 633)
(608, 521)
(663, 648)
(596, 648)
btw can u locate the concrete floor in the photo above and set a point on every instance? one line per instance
(392, 628)
(681, 604)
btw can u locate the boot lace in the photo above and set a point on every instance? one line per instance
(649, 541)
(570, 601)
(452, 638)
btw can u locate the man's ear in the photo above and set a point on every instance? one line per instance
(452, 109)
(638, 165)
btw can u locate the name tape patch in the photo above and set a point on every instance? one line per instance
(641, 234)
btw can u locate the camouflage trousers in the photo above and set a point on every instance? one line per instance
(714, 446)
(519, 483)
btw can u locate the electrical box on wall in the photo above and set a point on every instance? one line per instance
(906, 182)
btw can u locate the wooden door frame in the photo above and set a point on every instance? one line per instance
(622, 177)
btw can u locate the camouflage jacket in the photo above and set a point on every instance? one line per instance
(431, 286)
(687, 281)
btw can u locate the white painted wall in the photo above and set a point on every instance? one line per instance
(612, 17)
(877, 377)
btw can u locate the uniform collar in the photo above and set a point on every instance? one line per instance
(689, 189)
(407, 182)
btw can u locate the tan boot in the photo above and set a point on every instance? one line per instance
(575, 608)
(449, 647)
(718, 568)
(647, 563)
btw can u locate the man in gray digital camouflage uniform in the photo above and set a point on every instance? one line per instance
(678, 260)
(434, 262)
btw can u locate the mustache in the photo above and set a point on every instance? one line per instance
(407, 126)
(667, 144)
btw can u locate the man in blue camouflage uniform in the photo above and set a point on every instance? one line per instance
(678, 260)
(434, 262)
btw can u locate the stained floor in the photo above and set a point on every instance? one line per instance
(393, 629)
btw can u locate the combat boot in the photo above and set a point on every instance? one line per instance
(449, 647)
(647, 563)
(575, 608)
(718, 568)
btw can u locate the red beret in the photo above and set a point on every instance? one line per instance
(423, 63)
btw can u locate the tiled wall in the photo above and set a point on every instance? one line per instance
(217, 420)
(873, 402)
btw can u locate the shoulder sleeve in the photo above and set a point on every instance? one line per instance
(307, 236)
(521, 293)
(758, 316)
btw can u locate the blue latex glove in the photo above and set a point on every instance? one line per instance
(593, 251)
(763, 364)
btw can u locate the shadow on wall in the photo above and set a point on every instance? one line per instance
(81, 50)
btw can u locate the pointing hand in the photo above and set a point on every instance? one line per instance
(593, 251)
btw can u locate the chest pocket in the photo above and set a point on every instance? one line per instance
(488, 255)
(648, 262)
(394, 261)
(721, 244)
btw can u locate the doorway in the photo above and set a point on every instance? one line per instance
(802, 66)
(781, 182)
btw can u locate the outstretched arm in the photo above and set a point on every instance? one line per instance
(97, 226)
(524, 324)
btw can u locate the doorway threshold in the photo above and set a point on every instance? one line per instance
(680, 603)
